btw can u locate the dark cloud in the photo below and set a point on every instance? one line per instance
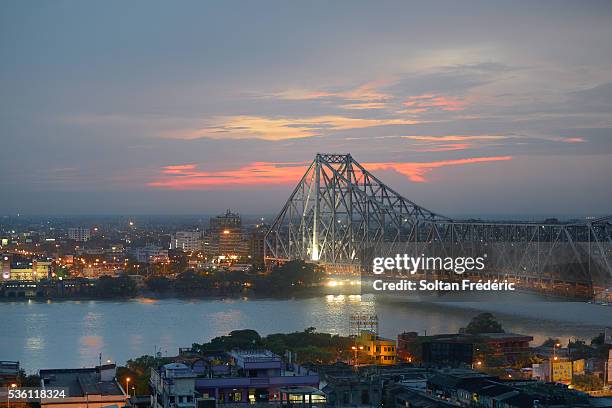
(595, 99)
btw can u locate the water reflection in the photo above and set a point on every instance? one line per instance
(147, 300)
(34, 343)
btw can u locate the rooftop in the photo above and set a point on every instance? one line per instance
(177, 370)
(502, 336)
(255, 355)
(464, 337)
(80, 381)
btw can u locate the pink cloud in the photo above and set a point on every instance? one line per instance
(453, 138)
(573, 140)
(189, 177)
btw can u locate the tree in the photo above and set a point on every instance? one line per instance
(309, 345)
(484, 323)
(587, 382)
(550, 342)
(598, 340)
(312, 354)
(139, 371)
(159, 283)
(294, 274)
(190, 281)
(25, 380)
(579, 349)
(237, 339)
(179, 260)
(110, 287)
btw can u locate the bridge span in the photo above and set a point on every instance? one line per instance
(341, 215)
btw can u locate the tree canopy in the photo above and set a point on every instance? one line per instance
(484, 323)
(295, 273)
(110, 287)
(309, 345)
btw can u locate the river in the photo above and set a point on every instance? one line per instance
(62, 334)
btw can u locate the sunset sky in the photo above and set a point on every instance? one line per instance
(139, 107)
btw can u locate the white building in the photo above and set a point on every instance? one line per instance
(79, 234)
(150, 254)
(173, 386)
(187, 241)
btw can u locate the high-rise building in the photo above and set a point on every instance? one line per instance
(256, 244)
(232, 243)
(79, 234)
(227, 235)
(229, 220)
(609, 367)
(187, 241)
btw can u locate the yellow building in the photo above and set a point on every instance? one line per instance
(562, 371)
(30, 270)
(379, 350)
(578, 367)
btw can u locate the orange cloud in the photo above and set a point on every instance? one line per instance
(433, 101)
(367, 92)
(179, 169)
(445, 147)
(416, 172)
(413, 111)
(365, 105)
(449, 142)
(453, 138)
(275, 129)
(188, 177)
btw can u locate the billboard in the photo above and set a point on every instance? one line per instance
(562, 371)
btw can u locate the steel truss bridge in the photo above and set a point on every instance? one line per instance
(342, 215)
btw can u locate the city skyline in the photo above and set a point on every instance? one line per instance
(148, 108)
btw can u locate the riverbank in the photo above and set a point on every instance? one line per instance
(300, 293)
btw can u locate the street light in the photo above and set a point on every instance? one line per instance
(127, 386)
(555, 350)
(8, 399)
(356, 349)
